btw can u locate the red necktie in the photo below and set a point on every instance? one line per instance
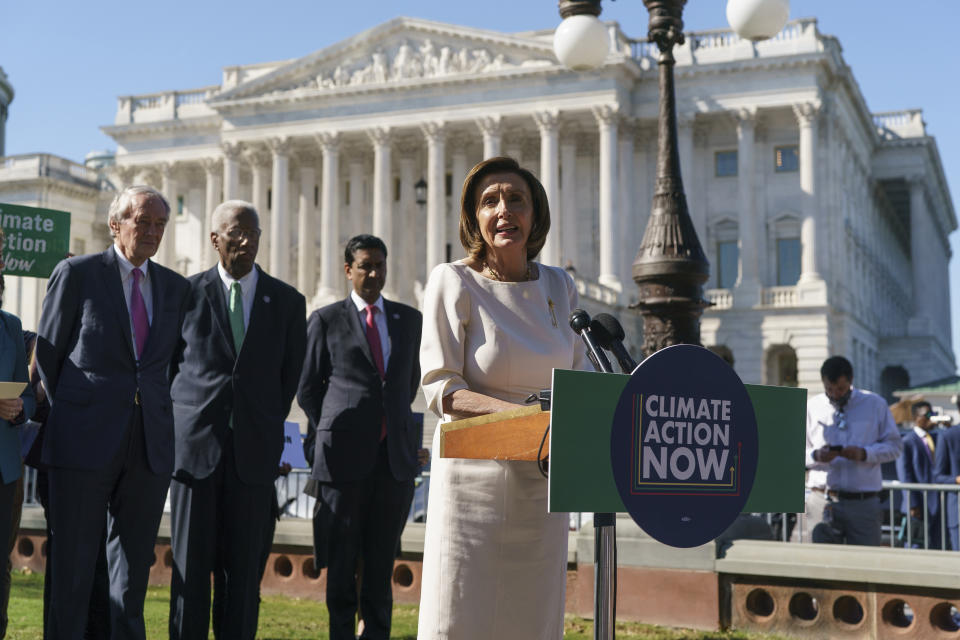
(138, 309)
(373, 337)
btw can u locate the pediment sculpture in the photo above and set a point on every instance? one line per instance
(411, 61)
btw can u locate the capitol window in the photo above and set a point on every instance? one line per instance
(725, 164)
(788, 261)
(786, 158)
(728, 258)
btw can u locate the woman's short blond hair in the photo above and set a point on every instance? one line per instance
(470, 236)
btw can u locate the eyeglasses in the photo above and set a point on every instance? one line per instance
(929, 414)
(839, 420)
(236, 233)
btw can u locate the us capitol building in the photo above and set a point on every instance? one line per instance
(823, 222)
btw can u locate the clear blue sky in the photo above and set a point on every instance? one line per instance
(68, 61)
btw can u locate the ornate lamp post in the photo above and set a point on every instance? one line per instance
(670, 268)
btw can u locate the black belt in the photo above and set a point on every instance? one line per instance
(849, 495)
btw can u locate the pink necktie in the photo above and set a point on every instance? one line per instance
(138, 310)
(373, 337)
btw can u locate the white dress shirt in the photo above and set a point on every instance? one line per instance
(126, 281)
(248, 287)
(380, 317)
(866, 423)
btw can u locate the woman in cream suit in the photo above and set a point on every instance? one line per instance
(495, 326)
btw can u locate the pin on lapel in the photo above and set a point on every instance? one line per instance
(266, 299)
(396, 316)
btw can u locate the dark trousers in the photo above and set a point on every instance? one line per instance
(217, 524)
(98, 613)
(219, 578)
(365, 519)
(8, 507)
(132, 497)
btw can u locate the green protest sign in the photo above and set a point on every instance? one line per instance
(581, 420)
(35, 239)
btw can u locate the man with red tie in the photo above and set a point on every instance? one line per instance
(360, 376)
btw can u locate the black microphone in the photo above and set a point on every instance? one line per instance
(608, 332)
(580, 322)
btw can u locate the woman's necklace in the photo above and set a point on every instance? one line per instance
(496, 275)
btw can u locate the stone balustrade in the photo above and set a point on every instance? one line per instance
(720, 45)
(907, 123)
(719, 298)
(167, 105)
(779, 296)
(43, 165)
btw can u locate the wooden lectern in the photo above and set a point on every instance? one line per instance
(515, 434)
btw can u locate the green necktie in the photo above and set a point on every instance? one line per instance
(236, 315)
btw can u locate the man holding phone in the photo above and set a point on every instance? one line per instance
(850, 434)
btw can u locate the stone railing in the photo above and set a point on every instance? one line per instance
(719, 298)
(596, 291)
(722, 45)
(43, 165)
(168, 105)
(779, 296)
(900, 124)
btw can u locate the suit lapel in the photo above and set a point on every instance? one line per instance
(358, 328)
(116, 297)
(264, 298)
(213, 290)
(393, 330)
(156, 292)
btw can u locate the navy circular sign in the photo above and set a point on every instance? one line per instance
(684, 445)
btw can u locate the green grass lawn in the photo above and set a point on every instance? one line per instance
(296, 619)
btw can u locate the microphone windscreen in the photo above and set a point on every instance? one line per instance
(611, 324)
(579, 320)
(601, 334)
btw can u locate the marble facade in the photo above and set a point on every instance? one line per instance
(787, 173)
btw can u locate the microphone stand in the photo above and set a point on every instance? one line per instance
(604, 524)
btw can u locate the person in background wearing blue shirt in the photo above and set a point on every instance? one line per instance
(850, 433)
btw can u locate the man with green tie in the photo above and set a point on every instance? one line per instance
(234, 378)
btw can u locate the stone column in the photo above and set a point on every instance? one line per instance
(126, 175)
(383, 195)
(567, 218)
(607, 118)
(231, 170)
(168, 250)
(259, 162)
(627, 213)
(212, 168)
(280, 238)
(458, 171)
(490, 128)
(809, 235)
(435, 134)
(550, 178)
(404, 272)
(357, 221)
(747, 288)
(331, 260)
(306, 245)
(919, 322)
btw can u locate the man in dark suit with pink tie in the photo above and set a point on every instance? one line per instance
(108, 329)
(360, 376)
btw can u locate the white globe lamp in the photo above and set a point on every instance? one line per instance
(757, 19)
(581, 42)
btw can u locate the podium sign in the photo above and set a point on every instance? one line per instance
(582, 417)
(683, 445)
